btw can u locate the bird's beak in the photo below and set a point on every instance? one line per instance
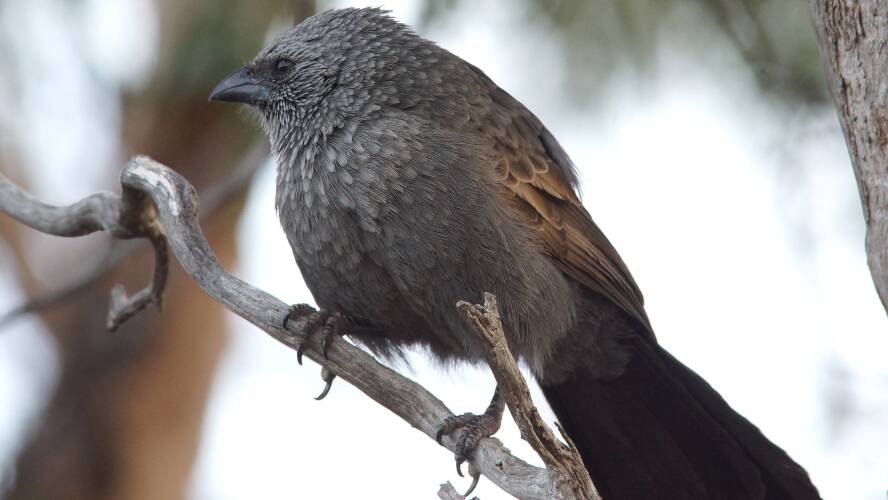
(241, 86)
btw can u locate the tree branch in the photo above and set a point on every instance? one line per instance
(214, 197)
(158, 204)
(126, 217)
(853, 40)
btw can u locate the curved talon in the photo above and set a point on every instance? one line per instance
(328, 377)
(475, 479)
(299, 351)
(326, 390)
(439, 435)
(461, 453)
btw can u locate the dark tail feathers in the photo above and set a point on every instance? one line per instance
(660, 431)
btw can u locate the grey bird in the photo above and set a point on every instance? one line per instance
(407, 180)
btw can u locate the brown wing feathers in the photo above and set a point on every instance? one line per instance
(544, 192)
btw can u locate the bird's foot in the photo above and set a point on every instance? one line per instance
(321, 322)
(476, 427)
(318, 322)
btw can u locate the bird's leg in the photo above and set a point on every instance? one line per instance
(322, 322)
(476, 428)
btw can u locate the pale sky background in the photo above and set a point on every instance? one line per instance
(754, 278)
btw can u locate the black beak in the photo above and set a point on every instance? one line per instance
(241, 86)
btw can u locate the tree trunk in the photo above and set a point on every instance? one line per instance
(853, 40)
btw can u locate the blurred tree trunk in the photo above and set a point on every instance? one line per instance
(125, 419)
(853, 40)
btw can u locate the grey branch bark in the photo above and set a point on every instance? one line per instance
(158, 204)
(215, 197)
(126, 217)
(853, 40)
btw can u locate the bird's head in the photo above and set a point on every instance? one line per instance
(323, 69)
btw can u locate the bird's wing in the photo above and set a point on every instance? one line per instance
(542, 185)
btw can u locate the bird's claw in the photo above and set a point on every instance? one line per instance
(475, 479)
(451, 424)
(327, 376)
(476, 428)
(295, 312)
(299, 351)
(327, 324)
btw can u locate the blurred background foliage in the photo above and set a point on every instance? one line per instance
(124, 418)
(603, 37)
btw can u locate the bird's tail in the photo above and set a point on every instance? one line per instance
(660, 431)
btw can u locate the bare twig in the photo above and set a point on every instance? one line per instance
(126, 217)
(175, 210)
(123, 307)
(572, 478)
(211, 199)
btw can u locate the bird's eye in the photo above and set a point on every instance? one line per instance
(282, 66)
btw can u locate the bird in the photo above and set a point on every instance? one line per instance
(407, 180)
